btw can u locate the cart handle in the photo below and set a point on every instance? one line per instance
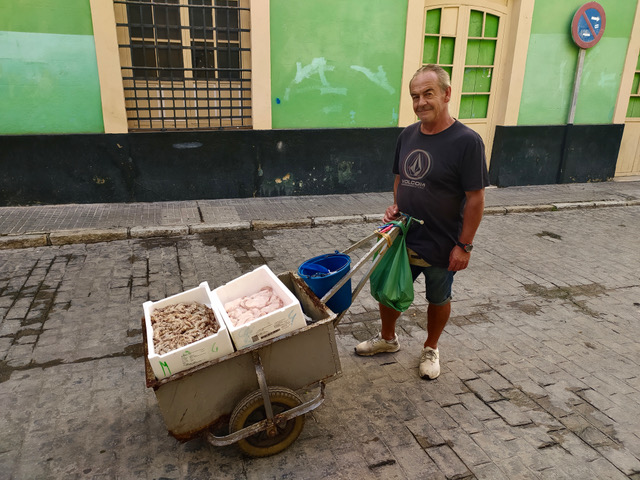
(379, 248)
(387, 233)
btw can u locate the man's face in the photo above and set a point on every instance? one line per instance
(430, 102)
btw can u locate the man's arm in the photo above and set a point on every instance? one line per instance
(393, 211)
(471, 218)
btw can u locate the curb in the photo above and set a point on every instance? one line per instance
(23, 241)
(98, 235)
(324, 221)
(67, 237)
(275, 224)
(158, 231)
(218, 227)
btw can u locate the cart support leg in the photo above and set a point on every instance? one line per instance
(264, 388)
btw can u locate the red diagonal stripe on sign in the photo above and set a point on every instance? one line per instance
(593, 32)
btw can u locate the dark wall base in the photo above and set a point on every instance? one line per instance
(538, 155)
(172, 166)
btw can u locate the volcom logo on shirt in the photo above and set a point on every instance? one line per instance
(415, 167)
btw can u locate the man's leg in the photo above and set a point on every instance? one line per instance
(437, 317)
(386, 340)
(439, 282)
(388, 316)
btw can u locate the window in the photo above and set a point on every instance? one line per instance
(215, 44)
(438, 49)
(481, 52)
(442, 27)
(633, 111)
(185, 63)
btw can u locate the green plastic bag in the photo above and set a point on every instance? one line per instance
(391, 281)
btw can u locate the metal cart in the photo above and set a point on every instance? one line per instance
(228, 400)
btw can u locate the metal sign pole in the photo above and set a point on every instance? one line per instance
(576, 86)
(587, 28)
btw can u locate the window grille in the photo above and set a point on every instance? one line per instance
(186, 64)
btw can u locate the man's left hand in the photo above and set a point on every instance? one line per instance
(458, 259)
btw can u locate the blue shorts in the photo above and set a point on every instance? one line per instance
(438, 283)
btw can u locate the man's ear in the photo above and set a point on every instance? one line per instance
(447, 95)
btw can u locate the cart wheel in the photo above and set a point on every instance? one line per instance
(251, 410)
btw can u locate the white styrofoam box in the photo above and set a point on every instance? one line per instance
(281, 321)
(203, 350)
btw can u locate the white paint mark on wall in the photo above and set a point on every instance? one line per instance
(332, 109)
(379, 78)
(608, 79)
(186, 145)
(318, 66)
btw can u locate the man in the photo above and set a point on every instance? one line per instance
(440, 175)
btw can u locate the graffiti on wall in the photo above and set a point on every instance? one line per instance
(319, 67)
(337, 89)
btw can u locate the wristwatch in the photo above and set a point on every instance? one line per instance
(467, 247)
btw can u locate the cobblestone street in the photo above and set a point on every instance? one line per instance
(540, 371)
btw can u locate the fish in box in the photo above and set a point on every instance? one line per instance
(257, 306)
(181, 331)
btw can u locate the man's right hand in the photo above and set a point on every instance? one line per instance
(391, 213)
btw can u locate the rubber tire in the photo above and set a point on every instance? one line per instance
(251, 410)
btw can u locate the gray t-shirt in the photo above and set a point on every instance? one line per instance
(435, 172)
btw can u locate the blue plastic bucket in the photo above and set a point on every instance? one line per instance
(323, 272)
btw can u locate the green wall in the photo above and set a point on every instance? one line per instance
(552, 59)
(336, 63)
(48, 71)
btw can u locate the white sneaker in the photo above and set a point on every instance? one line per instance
(377, 345)
(430, 363)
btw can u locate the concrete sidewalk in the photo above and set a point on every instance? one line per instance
(42, 225)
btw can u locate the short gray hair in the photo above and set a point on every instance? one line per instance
(441, 73)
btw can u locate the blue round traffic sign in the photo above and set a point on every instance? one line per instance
(588, 24)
